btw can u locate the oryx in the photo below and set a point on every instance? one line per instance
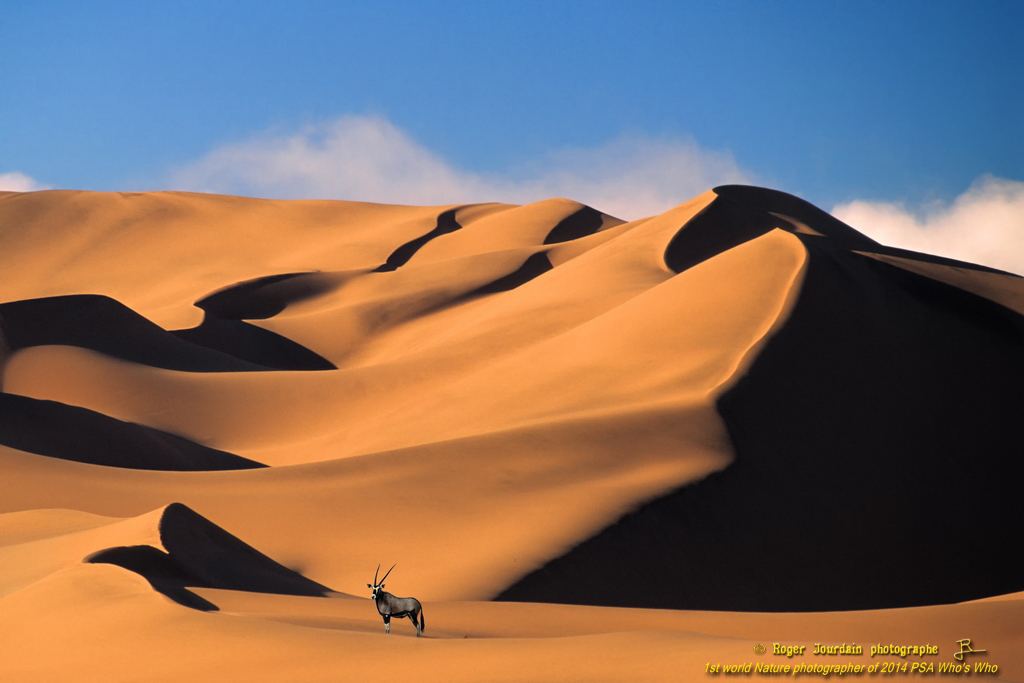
(389, 605)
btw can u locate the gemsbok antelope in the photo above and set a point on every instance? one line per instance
(389, 605)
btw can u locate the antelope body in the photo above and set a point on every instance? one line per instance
(389, 605)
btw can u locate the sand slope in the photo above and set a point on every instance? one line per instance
(739, 404)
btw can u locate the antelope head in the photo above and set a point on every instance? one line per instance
(378, 586)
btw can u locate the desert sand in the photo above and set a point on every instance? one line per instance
(597, 449)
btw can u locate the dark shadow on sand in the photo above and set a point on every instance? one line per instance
(200, 554)
(106, 326)
(58, 430)
(878, 464)
(446, 223)
(265, 297)
(253, 344)
(582, 222)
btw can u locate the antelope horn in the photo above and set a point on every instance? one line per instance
(375, 575)
(389, 571)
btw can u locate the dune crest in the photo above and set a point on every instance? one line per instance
(173, 548)
(194, 552)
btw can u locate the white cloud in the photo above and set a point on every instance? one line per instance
(19, 182)
(983, 225)
(370, 159)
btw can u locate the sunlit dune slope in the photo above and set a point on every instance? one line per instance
(741, 403)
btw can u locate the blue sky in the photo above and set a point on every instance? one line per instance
(836, 101)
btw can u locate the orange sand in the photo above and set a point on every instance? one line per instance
(484, 405)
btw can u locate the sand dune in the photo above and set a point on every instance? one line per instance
(172, 547)
(739, 404)
(106, 326)
(195, 552)
(65, 431)
(917, 419)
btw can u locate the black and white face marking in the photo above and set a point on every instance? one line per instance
(378, 587)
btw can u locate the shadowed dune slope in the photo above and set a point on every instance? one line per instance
(584, 221)
(265, 297)
(263, 348)
(72, 433)
(173, 548)
(797, 214)
(102, 324)
(225, 311)
(740, 213)
(107, 326)
(194, 552)
(446, 223)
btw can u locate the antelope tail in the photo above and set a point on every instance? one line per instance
(423, 622)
